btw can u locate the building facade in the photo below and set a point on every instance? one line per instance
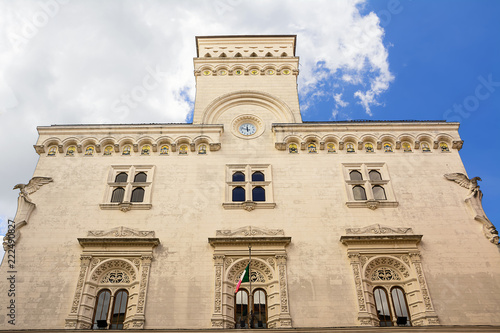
(349, 224)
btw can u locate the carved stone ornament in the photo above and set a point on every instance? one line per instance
(378, 229)
(25, 207)
(250, 231)
(474, 201)
(120, 232)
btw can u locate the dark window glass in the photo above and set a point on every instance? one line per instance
(241, 309)
(101, 308)
(141, 177)
(400, 307)
(258, 176)
(121, 177)
(119, 310)
(137, 195)
(378, 193)
(238, 194)
(375, 175)
(259, 309)
(258, 194)
(118, 194)
(355, 175)
(238, 177)
(359, 193)
(382, 305)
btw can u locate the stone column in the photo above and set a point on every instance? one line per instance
(74, 320)
(364, 317)
(285, 318)
(217, 317)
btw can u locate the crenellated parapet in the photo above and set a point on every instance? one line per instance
(142, 140)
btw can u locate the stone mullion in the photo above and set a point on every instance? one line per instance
(138, 319)
(217, 316)
(74, 320)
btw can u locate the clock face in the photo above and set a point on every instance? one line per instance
(247, 129)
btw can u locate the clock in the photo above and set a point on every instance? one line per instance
(247, 129)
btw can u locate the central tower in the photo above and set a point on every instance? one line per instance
(259, 70)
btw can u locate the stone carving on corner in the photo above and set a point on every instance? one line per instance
(120, 232)
(250, 231)
(25, 205)
(474, 201)
(378, 229)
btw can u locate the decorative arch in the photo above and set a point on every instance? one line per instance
(376, 264)
(221, 104)
(268, 273)
(106, 266)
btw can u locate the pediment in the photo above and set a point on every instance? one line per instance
(378, 229)
(120, 232)
(250, 231)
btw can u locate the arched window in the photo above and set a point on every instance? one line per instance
(119, 310)
(258, 194)
(382, 305)
(259, 309)
(444, 146)
(108, 151)
(121, 177)
(238, 176)
(400, 307)
(359, 193)
(379, 193)
(71, 151)
(89, 151)
(183, 150)
(355, 175)
(375, 175)
(101, 309)
(406, 147)
(350, 147)
(241, 309)
(118, 194)
(137, 195)
(369, 147)
(238, 194)
(141, 177)
(387, 147)
(258, 176)
(330, 148)
(202, 149)
(292, 148)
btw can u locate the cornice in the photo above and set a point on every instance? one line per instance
(378, 239)
(348, 126)
(280, 240)
(123, 241)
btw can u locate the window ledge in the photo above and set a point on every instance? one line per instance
(125, 206)
(372, 204)
(249, 205)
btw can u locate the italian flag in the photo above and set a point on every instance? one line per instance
(245, 277)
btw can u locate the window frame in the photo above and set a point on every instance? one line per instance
(129, 186)
(368, 184)
(249, 185)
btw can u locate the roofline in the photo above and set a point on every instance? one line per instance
(245, 36)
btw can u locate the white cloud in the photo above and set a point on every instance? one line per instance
(72, 61)
(339, 101)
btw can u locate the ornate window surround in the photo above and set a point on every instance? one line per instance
(376, 246)
(269, 263)
(367, 183)
(121, 249)
(248, 185)
(129, 186)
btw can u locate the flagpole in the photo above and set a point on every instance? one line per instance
(250, 298)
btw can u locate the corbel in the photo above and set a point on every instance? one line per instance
(214, 146)
(417, 144)
(341, 145)
(280, 145)
(360, 145)
(303, 146)
(97, 148)
(436, 144)
(60, 149)
(379, 145)
(40, 149)
(322, 145)
(174, 147)
(192, 146)
(117, 147)
(458, 144)
(398, 144)
(155, 147)
(136, 147)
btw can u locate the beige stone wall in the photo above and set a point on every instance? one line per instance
(461, 267)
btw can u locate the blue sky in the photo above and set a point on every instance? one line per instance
(64, 62)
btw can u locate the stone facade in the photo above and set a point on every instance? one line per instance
(343, 208)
